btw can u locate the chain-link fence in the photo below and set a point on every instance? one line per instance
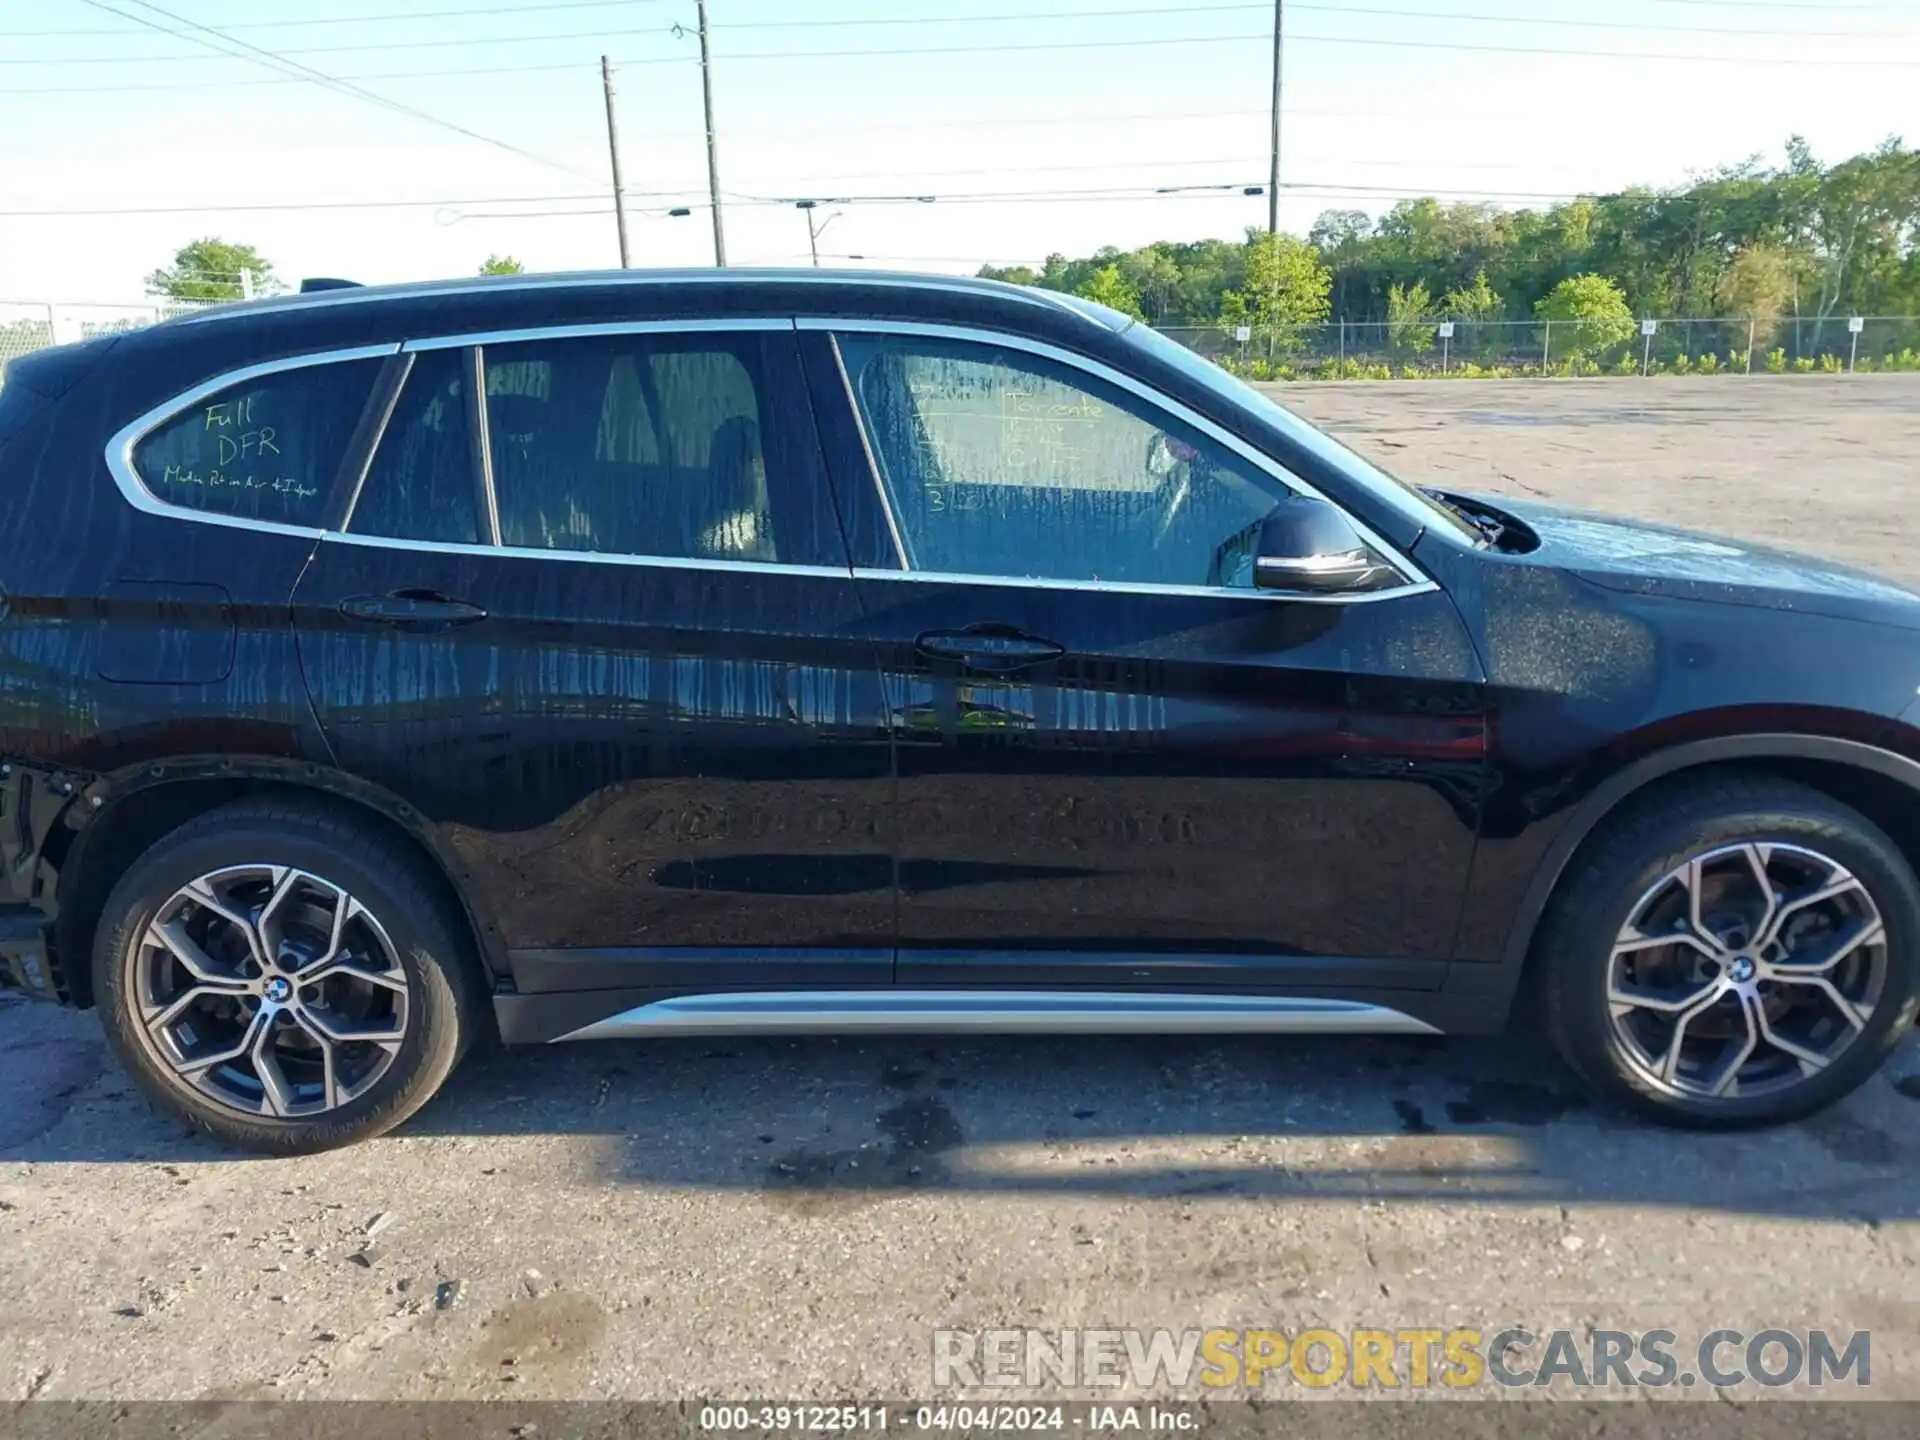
(1482, 349)
(1343, 349)
(28, 325)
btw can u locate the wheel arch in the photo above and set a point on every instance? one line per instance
(1882, 784)
(122, 814)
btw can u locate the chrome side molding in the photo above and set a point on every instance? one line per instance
(999, 1012)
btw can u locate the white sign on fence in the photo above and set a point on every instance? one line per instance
(1856, 324)
(1243, 333)
(1649, 327)
(1446, 329)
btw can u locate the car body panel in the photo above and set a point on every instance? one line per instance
(749, 816)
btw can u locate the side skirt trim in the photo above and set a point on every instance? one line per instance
(1035, 1012)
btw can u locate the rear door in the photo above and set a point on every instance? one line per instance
(593, 617)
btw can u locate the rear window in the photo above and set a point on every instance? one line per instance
(264, 449)
(423, 483)
(631, 445)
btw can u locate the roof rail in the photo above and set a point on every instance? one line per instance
(326, 282)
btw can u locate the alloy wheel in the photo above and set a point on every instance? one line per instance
(1745, 971)
(270, 991)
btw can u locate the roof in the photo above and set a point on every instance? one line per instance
(735, 278)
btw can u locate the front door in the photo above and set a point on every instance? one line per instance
(1121, 765)
(593, 618)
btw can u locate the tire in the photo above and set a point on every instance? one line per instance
(1634, 872)
(401, 1003)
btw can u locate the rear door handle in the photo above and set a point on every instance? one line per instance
(412, 610)
(986, 648)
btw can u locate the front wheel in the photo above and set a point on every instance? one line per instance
(1734, 953)
(285, 979)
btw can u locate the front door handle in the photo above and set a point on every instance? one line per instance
(989, 648)
(412, 610)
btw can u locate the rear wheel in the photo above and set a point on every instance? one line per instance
(1734, 953)
(283, 978)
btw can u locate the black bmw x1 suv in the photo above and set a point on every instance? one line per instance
(383, 670)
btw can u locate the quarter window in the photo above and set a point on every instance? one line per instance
(268, 448)
(424, 480)
(633, 444)
(997, 462)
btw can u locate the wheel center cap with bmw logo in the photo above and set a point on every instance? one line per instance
(278, 990)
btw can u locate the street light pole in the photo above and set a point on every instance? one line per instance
(814, 232)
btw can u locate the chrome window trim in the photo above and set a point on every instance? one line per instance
(873, 461)
(591, 557)
(1142, 587)
(119, 452)
(391, 404)
(1417, 581)
(532, 333)
(119, 457)
(480, 437)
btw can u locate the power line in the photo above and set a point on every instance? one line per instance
(378, 45)
(579, 65)
(249, 207)
(1029, 122)
(1563, 22)
(1828, 5)
(464, 12)
(467, 12)
(218, 41)
(690, 198)
(1364, 41)
(659, 30)
(1790, 61)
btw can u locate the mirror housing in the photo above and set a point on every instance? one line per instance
(1309, 547)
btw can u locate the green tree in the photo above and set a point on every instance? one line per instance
(1478, 302)
(1408, 312)
(1480, 308)
(1849, 232)
(502, 265)
(1285, 288)
(1589, 314)
(1758, 286)
(211, 269)
(1011, 274)
(1108, 286)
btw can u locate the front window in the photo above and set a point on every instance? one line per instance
(1408, 500)
(1000, 463)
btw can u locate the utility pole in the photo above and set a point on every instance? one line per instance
(1273, 175)
(713, 147)
(613, 153)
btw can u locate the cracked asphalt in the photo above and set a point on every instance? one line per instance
(792, 1219)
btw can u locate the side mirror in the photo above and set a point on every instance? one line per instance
(1308, 546)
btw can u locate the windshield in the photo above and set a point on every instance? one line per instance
(1418, 508)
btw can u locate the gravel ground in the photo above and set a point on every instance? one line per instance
(793, 1219)
(1829, 464)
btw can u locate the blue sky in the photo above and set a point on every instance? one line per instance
(1079, 101)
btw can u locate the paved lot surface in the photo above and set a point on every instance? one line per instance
(789, 1219)
(1823, 463)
